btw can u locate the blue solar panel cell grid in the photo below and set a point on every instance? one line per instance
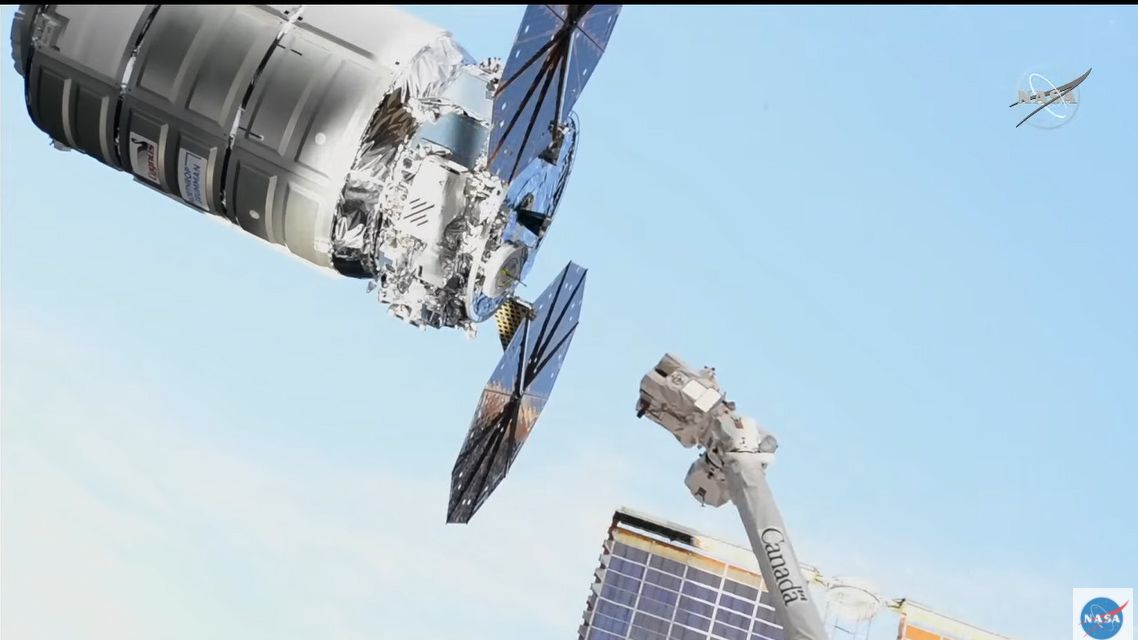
(743, 623)
(730, 633)
(765, 612)
(624, 551)
(697, 590)
(626, 567)
(646, 596)
(695, 606)
(611, 593)
(657, 594)
(768, 630)
(605, 623)
(683, 633)
(657, 608)
(652, 624)
(704, 577)
(621, 581)
(738, 605)
(615, 611)
(666, 565)
(692, 620)
(662, 579)
(741, 590)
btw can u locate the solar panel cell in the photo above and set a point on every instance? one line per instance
(624, 551)
(656, 607)
(627, 568)
(741, 590)
(692, 620)
(704, 577)
(728, 633)
(621, 596)
(659, 595)
(666, 565)
(737, 605)
(699, 591)
(613, 610)
(662, 579)
(683, 633)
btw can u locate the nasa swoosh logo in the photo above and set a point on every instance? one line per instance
(1103, 614)
(1053, 102)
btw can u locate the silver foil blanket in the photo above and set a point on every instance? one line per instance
(392, 128)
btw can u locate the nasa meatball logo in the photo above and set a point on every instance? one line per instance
(1102, 618)
(1103, 614)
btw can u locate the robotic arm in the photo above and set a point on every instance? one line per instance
(732, 467)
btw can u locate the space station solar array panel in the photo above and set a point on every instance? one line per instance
(642, 594)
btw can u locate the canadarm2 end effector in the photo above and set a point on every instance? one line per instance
(691, 406)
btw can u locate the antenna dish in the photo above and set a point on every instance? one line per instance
(853, 597)
(851, 604)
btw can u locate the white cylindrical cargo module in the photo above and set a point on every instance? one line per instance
(251, 112)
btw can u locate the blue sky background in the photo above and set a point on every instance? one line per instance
(933, 310)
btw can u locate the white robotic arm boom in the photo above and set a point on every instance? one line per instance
(732, 467)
